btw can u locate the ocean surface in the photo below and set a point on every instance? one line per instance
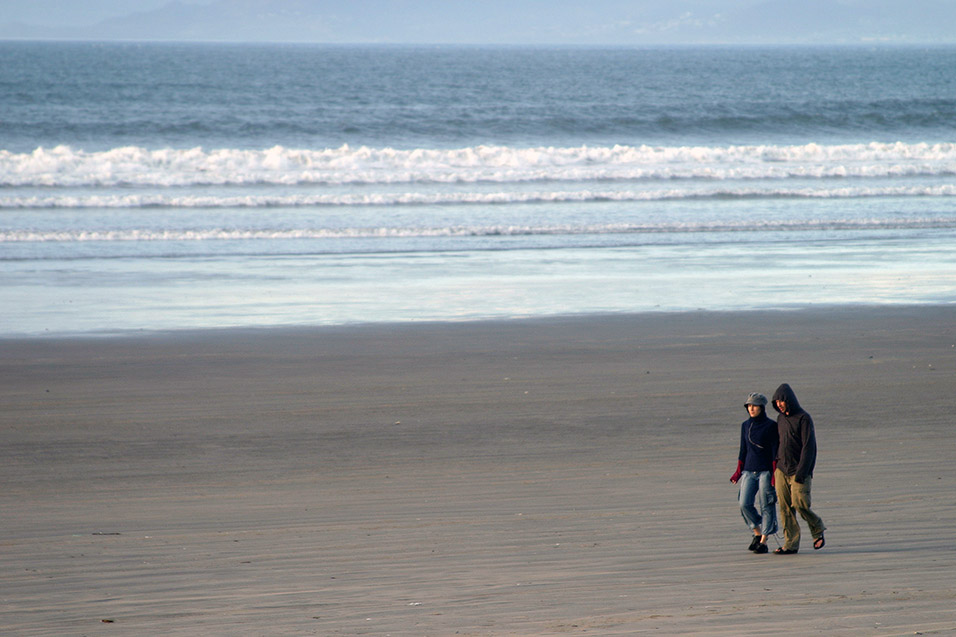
(168, 186)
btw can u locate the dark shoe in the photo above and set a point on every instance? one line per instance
(754, 543)
(783, 551)
(761, 548)
(819, 543)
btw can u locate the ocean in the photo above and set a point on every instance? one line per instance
(178, 186)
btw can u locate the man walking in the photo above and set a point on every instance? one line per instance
(796, 457)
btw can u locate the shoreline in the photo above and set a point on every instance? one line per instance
(529, 477)
(765, 313)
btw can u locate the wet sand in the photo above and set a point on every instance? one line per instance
(540, 477)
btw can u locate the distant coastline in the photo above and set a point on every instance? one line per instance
(604, 22)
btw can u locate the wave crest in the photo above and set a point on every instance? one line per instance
(64, 166)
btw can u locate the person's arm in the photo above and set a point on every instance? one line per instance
(808, 449)
(741, 456)
(775, 447)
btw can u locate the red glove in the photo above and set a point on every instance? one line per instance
(773, 474)
(736, 476)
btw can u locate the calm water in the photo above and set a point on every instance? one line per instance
(167, 186)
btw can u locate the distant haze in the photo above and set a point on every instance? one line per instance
(598, 22)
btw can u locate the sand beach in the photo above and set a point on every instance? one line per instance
(526, 477)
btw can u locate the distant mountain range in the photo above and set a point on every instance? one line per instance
(611, 22)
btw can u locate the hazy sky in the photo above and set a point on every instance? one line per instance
(624, 22)
(60, 13)
(64, 13)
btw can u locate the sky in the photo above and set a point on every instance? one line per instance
(61, 13)
(595, 22)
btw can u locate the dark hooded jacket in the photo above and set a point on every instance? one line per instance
(797, 453)
(758, 443)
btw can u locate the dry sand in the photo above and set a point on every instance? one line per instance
(541, 477)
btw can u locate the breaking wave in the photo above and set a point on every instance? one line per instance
(64, 166)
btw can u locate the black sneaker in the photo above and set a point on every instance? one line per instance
(761, 548)
(754, 543)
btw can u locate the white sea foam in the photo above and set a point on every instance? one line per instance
(162, 200)
(64, 166)
(223, 234)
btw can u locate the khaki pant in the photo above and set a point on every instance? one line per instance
(795, 498)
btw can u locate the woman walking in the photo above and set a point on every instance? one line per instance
(755, 470)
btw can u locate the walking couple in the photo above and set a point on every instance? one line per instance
(776, 464)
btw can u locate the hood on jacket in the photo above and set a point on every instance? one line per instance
(786, 394)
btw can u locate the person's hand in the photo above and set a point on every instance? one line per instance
(736, 476)
(773, 480)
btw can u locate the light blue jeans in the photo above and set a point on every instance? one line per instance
(755, 489)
